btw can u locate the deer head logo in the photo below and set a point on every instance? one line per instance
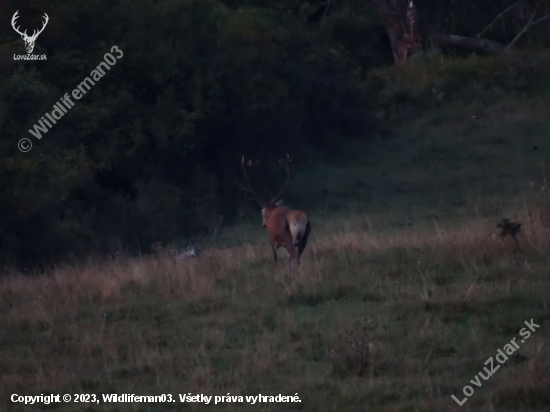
(29, 40)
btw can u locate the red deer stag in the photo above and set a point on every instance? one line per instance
(287, 227)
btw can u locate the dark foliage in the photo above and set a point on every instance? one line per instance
(151, 153)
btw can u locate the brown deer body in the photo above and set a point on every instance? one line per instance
(286, 227)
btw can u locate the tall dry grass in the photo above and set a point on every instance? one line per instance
(443, 298)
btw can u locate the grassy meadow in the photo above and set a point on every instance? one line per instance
(405, 289)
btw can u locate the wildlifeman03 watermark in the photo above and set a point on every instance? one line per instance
(132, 398)
(501, 357)
(62, 107)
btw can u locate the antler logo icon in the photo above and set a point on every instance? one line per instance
(29, 40)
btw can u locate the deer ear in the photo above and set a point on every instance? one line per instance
(280, 202)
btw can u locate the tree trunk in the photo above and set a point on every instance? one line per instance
(485, 46)
(400, 22)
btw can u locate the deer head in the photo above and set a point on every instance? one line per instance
(29, 40)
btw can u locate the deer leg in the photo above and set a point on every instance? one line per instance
(274, 249)
(292, 253)
(297, 253)
(297, 250)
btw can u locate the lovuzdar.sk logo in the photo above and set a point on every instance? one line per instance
(29, 40)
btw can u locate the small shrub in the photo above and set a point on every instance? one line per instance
(350, 355)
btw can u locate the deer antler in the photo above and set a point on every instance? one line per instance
(35, 32)
(249, 188)
(46, 20)
(285, 163)
(13, 19)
